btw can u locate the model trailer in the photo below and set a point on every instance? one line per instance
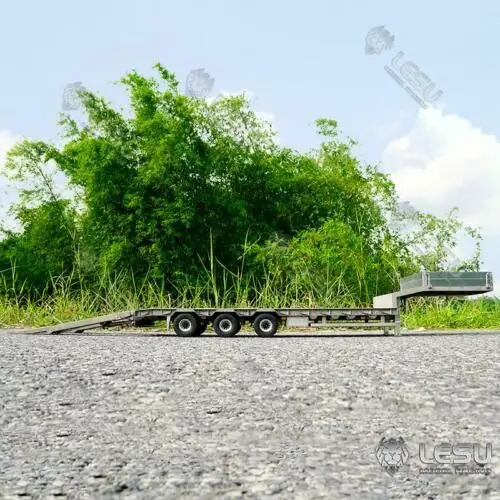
(383, 315)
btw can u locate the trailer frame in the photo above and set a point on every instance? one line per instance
(386, 318)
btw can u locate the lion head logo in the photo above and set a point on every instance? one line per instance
(199, 83)
(71, 96)
(392, 454)
(378, 40)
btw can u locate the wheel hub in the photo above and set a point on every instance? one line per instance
(225, 325)
(185, 325)
(266, 325)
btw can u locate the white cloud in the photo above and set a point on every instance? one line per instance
(445, 161)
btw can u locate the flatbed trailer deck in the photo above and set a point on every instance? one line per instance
(227, 322)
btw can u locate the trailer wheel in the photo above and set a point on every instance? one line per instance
(265, 325)
(202, 327)
(227, 325)
(186, 324)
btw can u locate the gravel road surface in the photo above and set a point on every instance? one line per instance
(148, 416)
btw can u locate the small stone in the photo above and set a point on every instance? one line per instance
(213, 411)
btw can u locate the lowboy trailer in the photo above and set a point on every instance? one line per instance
(384, 315)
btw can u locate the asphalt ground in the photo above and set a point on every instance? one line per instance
(134, 415)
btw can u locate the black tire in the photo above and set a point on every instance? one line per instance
(202, 327)
(265, 325)
(227, 325)
(186, 324)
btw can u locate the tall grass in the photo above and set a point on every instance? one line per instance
(67, 298)
(453, 313)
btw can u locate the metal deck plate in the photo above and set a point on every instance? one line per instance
(446, 283)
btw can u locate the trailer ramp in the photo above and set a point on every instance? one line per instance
(115, 319)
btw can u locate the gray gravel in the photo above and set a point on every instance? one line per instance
(135, 416)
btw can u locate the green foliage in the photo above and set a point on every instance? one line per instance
(44, 248)
(452, 313)
(182, 195)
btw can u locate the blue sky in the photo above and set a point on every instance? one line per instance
(302, 61)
